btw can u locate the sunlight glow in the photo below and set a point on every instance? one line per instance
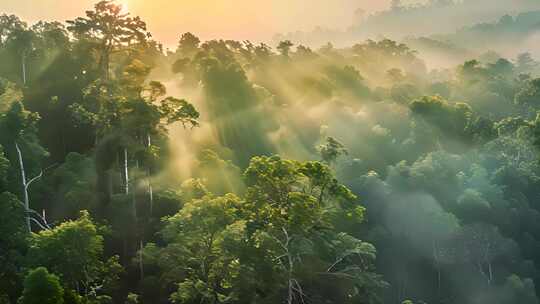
(125, 6)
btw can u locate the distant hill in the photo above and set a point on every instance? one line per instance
(508, 36)
(437, 17)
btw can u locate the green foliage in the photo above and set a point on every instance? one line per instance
(228, 94)
(74, 183)
(449, 118)
(453, 125)
(188, 44)
(132, 299)
(208, 231)
(106, 28)
(12, 215)
(42, 287)
(176, 110)
(73, 250)
(20, 125)
(519, 290)
(8, 94)
(12, 241)
(219, 244)
(71, 297)
(449, 211)
(331, 150)
(285, 47)
(4, 168)
(219, 175)
(529, 95)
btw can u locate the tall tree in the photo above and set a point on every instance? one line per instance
(109, 29)
(19, 129)
(188, 45)
(284, 47)
(74, 250)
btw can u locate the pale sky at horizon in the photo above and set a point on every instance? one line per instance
(231, 19)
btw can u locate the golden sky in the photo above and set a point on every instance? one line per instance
(257, 20)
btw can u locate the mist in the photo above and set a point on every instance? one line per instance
(377, 161)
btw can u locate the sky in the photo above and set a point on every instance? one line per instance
(256, 20)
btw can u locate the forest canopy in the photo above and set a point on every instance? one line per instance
(236, 172)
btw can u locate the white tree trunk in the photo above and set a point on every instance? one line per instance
(150, 189)
(126, 173)
(24, 68)
(25, 188)
(150, 194)
(437, 266)
(141, 263)
(490, 269)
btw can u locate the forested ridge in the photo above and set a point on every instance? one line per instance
(235, 172)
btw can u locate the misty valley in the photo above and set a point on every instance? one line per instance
(387, 163)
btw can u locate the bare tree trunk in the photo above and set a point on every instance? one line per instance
(126, 173)
(294, 287)
(437, 266)
(490, 269)
(25, 189)
(290, 271)
(483, 273)
(150, 194)
(26, 204)
(24, 67)
(141, 264)
(150, 189)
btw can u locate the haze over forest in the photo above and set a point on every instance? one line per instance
(297, 152)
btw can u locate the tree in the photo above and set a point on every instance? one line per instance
(188, 45)
(331, 150)
(284, 47)
(9, 93)
(526, 64)
(280, 243)
(20, 129)
(18, 125)
(304, 52)
(447, 120)
(22, 43)
(13, 219)
(13, 234)
(228, 94)
(291, 207)
(108, 28)
(348, 81)
(132, 298)
(126, 114)
(481, 245)
(41, 287)
(395, 75)
(74, 185)
(219, 175)
(202, 256)
(74, 251)
(518, 290)
(8, 25)
(4, 169)
(529, 95)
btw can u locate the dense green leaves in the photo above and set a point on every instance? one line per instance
(436, 197)
(42, 287)
(74, 251)
(282, 229)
